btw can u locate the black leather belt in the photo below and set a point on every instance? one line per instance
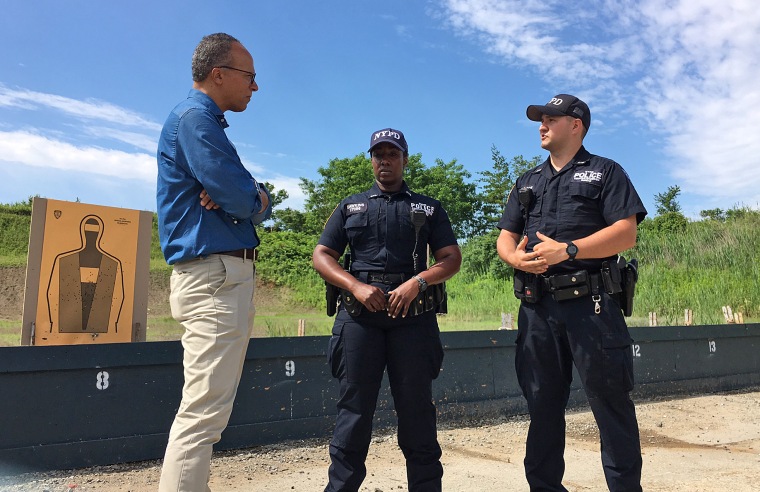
(246, 254)
(387, 278)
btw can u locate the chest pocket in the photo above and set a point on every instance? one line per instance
(584, 200)
(537, 192)
(356, 226)
(585, 191)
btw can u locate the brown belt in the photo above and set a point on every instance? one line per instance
(246, 254)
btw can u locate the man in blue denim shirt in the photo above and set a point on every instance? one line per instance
(208, 205)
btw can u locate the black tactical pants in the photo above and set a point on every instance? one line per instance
(552, 336)
(360, 350)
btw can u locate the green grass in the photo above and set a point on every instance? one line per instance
(161, 328)
(708, 265)
(286, 325)
(7, 261)
(316, 324)
(10, 333)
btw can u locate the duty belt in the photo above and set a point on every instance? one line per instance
(572, 285)
(561, 287)
(434, 298)
(617, 279)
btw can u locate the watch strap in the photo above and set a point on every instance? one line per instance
(423, 283)
(571, 250)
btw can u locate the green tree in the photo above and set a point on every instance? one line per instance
(496, 184)
(737, 213)
(479, 258)
(479, 252)
(19, 208)
(666, 202)
(669, 218)
(713, 214)
(445, 181)
(278, 196)
(283, 219)
(448, 183)
(289, 219)
(288, 256)
(339, 179)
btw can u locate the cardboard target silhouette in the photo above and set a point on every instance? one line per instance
(87, 274)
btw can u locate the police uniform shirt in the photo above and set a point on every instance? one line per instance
(588, 194)
(378, 227)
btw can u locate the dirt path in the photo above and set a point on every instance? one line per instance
(705, 443)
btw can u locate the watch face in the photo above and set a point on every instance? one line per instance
(422, 282)
(572, 249)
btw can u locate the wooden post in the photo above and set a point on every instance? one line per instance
(728, 315)
(687, 314)
(739, 318)
(507, 322)
(301, 327)
(652, 318)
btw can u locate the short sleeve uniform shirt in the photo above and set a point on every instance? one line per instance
(590, 193)
(380, 230)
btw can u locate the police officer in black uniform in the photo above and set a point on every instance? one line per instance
(563, 226)
(387, 315)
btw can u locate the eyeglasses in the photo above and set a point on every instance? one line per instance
(252, 75)
(391, 156)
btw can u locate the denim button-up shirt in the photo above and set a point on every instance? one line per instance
(194, 154)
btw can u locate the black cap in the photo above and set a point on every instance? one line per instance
(388, 135)
(562, 105)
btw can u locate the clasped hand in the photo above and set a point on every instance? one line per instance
(546, 253)
(396, 302)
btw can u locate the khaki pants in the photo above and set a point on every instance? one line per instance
(212, 298)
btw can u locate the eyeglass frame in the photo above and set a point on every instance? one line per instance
(250, 74)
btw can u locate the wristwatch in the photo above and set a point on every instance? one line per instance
(422, 282)
(571, 250)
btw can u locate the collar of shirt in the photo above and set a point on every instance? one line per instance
(209, 104)
(582, 157)
(376, 192)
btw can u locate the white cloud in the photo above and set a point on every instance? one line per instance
(296, 197)
(91, 109)
(254, 168)
(692, 62)
(148, 143)
(59, 149)
(529, 33)
(23, 147)
(702, 91)
(32, 149)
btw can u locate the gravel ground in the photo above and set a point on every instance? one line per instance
(702, 443)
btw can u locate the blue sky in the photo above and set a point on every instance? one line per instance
(673, 86)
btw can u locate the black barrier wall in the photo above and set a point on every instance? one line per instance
(84, 405)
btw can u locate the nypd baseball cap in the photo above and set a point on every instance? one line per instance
(562, 105)
(389, 135)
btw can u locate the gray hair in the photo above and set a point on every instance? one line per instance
(213, 51)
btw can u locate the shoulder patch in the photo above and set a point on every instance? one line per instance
(331, 214)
